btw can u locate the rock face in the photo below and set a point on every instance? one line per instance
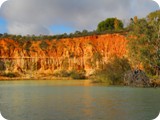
(83, 53)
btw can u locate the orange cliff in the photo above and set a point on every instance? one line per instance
(82, 53)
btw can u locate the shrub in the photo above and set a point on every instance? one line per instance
(113, 72)
(11, 75)
(78, 75)
(61, 73)
(2, 66)
(73, 74)
(28, 45)
(43, 45)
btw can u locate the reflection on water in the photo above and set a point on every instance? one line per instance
(72, 100)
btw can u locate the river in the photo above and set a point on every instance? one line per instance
(72, 100)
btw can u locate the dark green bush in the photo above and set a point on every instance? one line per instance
(28, 45)
(73, 74)
(2, 66)
(11, 75)
(77, 75)
(113, 72)
(43, 45)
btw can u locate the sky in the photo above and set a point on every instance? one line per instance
(51, 17)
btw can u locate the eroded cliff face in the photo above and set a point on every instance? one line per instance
(46, 57)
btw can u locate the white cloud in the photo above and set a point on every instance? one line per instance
(35, 16)
(31, 29)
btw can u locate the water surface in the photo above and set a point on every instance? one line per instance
(72, 100)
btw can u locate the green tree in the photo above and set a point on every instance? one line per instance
(144, 43)
(77, 33)
(110, 24)
(84, 32)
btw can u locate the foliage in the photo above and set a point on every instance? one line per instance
(97, 56)
(9, 64)
(73, 74)
(78, 74)
(97, 60)
(23, 40)
(84, 32)
(110, 24)
(113, 72)
(144, 43)
(11, 75)
(62, 73)
(153, 16)
(2, 66)
(43, 45)
(28, 45)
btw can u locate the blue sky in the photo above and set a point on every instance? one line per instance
(58, 29)
(3, 25)
(66, 16)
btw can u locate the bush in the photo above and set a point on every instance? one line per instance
(2, 66)
(11, 75)
(43, 45)
(113, 72)
(77, 75)
(62, 73)
(72, 74)
(28, 45)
